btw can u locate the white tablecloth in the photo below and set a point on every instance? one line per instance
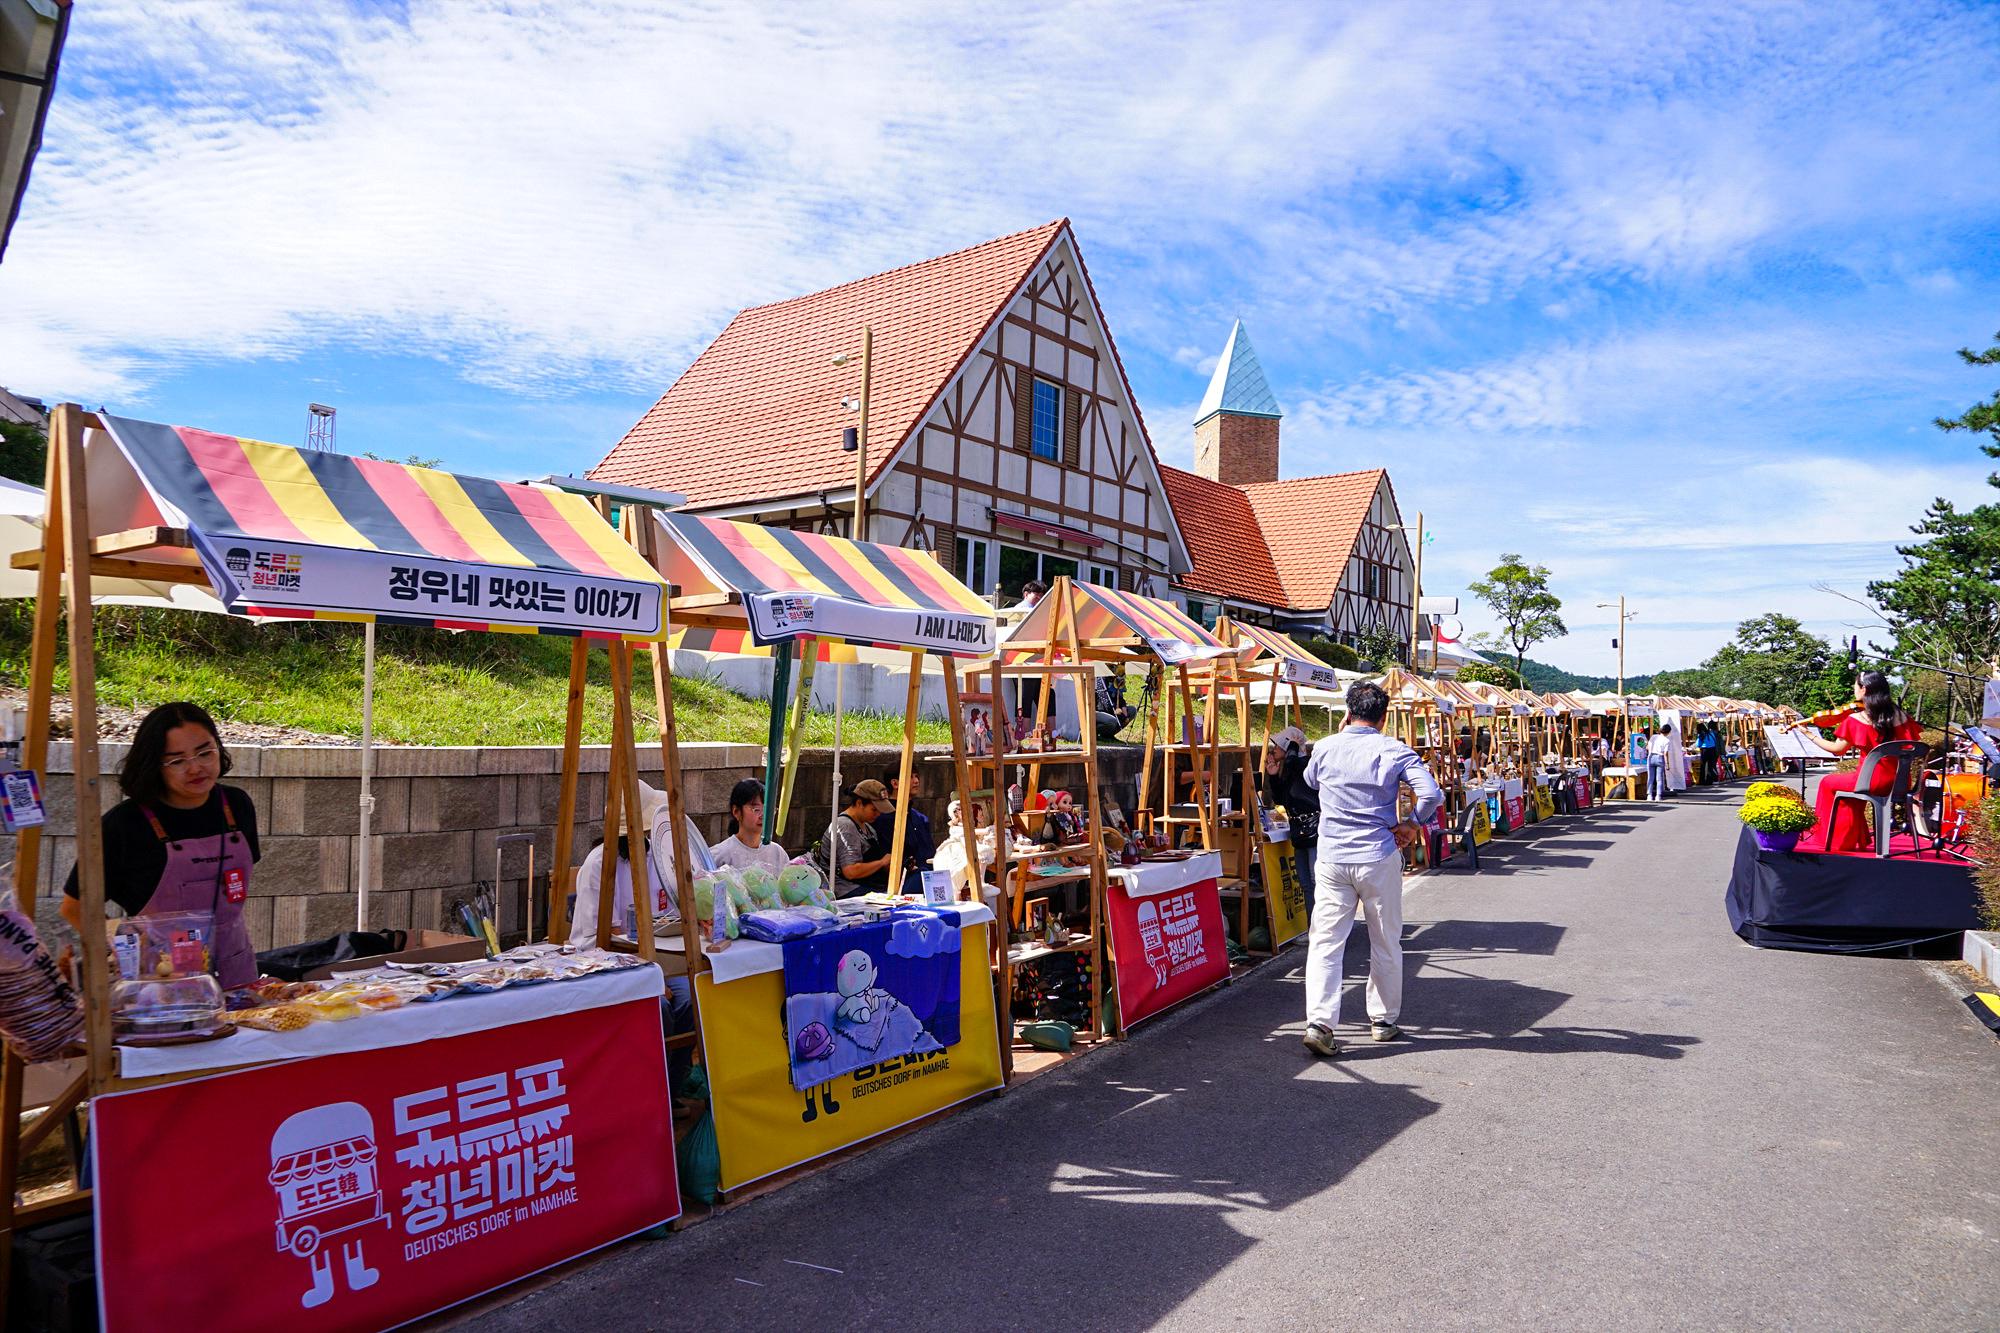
(412, 1023)
(748, 957)
(1143, 881)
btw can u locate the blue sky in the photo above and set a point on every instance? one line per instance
(1661, 295)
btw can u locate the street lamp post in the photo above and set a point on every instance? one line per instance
(1624, 718)
(858, 433)
(1416, 586)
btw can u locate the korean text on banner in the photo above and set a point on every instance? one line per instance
(764, 1125)
(1166, 947)
(257, 573)
(1283, 892)
(368, 1189)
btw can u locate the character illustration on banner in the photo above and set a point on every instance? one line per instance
(323, 1169)
(1152, 941)
(894, 993)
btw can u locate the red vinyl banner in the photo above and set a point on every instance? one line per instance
(367, 1189)
(1517, 813)
(1166, 947)
(1582, 790)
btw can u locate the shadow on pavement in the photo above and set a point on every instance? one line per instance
(1102, 1195)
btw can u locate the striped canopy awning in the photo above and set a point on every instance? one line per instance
(1257, 645)
(1114, 620)
(303, 534)
(749, 587)
(1410, 692)
(1462, 695)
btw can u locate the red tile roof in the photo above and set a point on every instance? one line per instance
(1310, 524)
(1231, 558)
(758, 415)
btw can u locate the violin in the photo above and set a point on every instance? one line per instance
(1831, 717)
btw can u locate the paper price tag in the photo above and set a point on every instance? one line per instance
(21, 801)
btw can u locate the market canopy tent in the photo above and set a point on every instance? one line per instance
(742, 588)
(279, 531)
(1111, 625)
(745, 589)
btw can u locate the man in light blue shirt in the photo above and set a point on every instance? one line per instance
(1359, 774)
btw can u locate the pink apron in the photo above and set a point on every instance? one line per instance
(210, 875)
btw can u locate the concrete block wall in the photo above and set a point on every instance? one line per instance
(440, 813)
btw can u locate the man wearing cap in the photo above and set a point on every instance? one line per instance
(857, 855)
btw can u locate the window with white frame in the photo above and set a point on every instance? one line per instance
(1045, 439)
(1104, 576)
(974, 564)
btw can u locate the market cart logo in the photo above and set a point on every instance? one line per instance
(323, 1169)
(791, 612)
(238, 559)
(276, 571)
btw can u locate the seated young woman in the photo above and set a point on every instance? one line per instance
(1880, 719)
(745, 845)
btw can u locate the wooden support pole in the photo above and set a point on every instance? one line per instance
(561, 872)
(83, 711)
(627, 745)
(28, 843)
(911, 703)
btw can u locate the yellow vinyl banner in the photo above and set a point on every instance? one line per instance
(1284, 895)
(764, 1125)
(1482, 823)
(1543, 804)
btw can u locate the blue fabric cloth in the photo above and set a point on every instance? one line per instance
(871, 993)
(778, 924)
(1358, 772)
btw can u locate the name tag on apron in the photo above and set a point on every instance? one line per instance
(235, 885)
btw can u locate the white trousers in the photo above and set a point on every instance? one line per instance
(1376, 887)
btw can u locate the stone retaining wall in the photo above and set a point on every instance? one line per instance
(440, 813)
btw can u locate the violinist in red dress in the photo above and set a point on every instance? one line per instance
(1873, 719)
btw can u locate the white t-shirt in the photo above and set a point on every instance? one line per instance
(1659, 745)
(732, 851)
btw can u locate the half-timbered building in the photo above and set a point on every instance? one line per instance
(1323, 555)
(1001, 431)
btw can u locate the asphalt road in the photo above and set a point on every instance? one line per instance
(1611, 1114)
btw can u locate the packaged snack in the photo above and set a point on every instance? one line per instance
(273, 1017)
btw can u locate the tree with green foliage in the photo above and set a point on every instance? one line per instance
(1376, 644)
(24, 452)
(1492, 673)
(1519, 596)
(1773, 659)
(1984, 416)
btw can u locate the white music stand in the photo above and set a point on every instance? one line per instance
(1804, 746)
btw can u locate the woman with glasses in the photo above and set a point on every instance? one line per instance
(180, 841)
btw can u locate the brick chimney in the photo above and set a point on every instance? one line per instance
(1236, 426)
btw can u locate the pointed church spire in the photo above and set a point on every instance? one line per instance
(1238, 385)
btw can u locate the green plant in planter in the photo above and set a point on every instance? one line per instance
(1983, 833)
(1776, 814)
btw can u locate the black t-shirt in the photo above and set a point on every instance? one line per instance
(134, 856)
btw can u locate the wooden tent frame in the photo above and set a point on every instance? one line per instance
(65, 565)
(1063, 655)
(726, 611)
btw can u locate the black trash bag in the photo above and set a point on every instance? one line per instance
(292, 962)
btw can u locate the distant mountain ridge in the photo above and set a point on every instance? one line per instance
(1542, 678)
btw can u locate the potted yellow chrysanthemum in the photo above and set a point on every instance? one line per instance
(1776, 818)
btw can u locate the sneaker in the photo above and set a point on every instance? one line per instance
(1319, 1040)
(1384, 1031)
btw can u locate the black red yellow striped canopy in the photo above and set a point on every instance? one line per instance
(1108, 615)
(796, 585)
(303, 534)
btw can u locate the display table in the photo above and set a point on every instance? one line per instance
(1828, 903)
(453, 1017)
(391, 1165)
(1167, 941)
(764, 1125)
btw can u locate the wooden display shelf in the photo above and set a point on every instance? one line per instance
(1044, 853)
(1026, 757)
(1021, 954)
